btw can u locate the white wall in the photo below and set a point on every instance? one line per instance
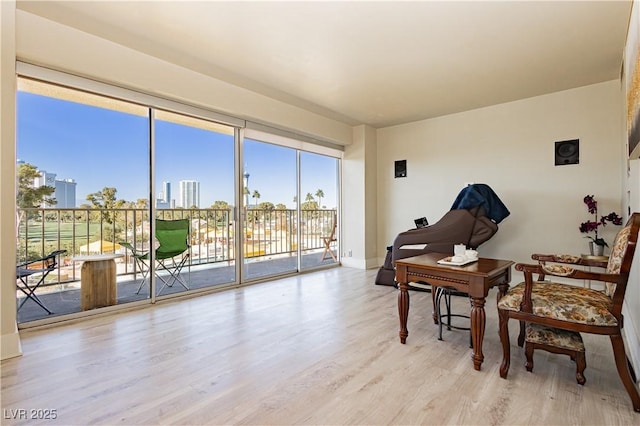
(359, 200)
(511, 148)
(631, 307)
(9, 339)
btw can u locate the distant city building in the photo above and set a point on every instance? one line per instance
(166, 191)
(45, 179)
(164, 200)
(65, 190)
(65, 193)
(189, 193)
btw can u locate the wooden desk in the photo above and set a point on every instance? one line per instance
(474, 279)
(98, 280)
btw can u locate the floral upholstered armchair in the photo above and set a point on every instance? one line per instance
(573, 308)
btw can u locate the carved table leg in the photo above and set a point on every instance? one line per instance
(403, 310)
(478, 321)
(503, 323)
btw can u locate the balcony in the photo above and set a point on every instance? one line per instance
(270, 241)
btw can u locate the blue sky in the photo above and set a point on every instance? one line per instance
(99, 147)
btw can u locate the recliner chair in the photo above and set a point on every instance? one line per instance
(472, 220)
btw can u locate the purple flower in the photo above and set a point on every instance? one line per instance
(592, 225)
(592, 204)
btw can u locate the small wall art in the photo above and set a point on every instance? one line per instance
(567, 152)
(401, 168)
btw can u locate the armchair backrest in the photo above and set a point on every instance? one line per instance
(172, 236)
(334, 226)
(621, 258)
(483, 228)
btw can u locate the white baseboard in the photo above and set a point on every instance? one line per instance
(354, 262)
(10, 346)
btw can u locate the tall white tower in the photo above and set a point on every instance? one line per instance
(65, 193)
(189, 193)
(166, 192)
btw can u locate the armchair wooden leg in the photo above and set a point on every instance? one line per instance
(581, 364)
(623, 370)
(631, 370)
(522, 333)
(528, 353)
(503, 319)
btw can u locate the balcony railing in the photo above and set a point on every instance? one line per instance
(266, 233)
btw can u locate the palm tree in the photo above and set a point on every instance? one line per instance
(320, 195)
(256, 195)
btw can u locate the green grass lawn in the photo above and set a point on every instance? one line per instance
(65, 231)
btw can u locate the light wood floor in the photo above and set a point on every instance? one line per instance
(319, 348)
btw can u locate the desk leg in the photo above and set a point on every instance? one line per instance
(434, 314)
(403, 310)
(478, 322)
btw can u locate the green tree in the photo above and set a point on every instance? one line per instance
(309, 203)
(66, 216)
(320, 195)
(106, 200)
(222, 212)
(267, 206)
(266, 209)
(28, 196)
(256, 197)
(220, 205)
(142, 203)
(281, 206)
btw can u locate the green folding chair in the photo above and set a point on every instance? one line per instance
(171, 254)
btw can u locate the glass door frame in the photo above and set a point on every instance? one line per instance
(298, 144)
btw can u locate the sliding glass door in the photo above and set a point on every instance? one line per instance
(82, 172)
(194, 180)
(319, 175)
(269, 230)
(291, 200)
(172, 196)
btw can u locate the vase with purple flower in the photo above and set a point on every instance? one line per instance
(597, 244)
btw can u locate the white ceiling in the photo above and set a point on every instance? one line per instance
(379, 63)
